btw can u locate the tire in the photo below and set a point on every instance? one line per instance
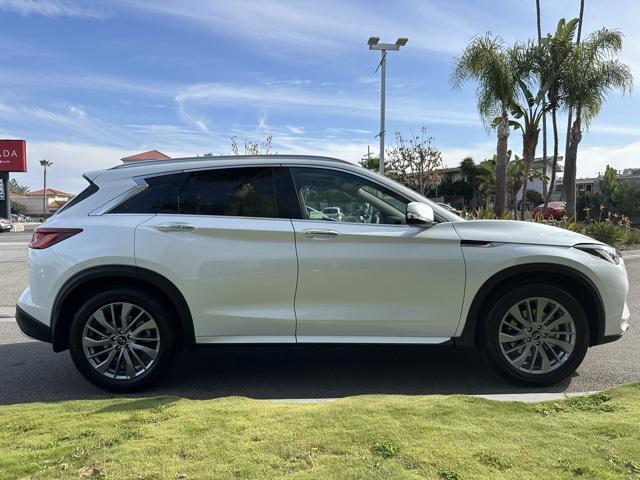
(560, 334)
(149, 340)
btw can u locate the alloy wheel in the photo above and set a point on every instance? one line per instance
(121, 341)
(537, 335)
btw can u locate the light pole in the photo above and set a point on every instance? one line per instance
(374, 44)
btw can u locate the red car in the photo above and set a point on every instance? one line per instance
(555, 210)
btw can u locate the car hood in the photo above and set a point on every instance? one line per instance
(510, 231)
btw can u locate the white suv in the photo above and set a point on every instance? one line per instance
(155, 255)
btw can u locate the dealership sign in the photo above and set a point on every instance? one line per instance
(13, 156)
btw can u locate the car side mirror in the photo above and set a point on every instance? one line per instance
(419, 214)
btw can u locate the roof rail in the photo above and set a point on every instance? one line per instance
(226, 157)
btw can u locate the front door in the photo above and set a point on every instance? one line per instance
(219, 239)
(364, 274)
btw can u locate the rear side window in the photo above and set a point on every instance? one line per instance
(83, 195)
(237, 192)
(151, 199)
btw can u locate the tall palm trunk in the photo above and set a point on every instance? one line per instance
(554, 165)
(529, 144)
(544, 109)
(570, 164)
(500, 204)
(568, 140)
(44, 194)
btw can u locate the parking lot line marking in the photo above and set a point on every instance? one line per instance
(15, 244)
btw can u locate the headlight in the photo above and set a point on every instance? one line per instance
(604, 252)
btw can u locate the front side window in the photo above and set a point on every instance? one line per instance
(237, 192)
(336, 196)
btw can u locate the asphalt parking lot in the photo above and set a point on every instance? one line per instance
(31, 372)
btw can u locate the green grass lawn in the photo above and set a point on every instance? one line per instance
(369, 437)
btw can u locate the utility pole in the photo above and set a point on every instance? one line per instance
(374, 44)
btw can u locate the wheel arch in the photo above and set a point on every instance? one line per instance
(571, 280)
(73, 293)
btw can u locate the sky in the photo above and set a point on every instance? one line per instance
(89, 82)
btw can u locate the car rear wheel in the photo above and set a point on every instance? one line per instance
(536, 334)
(122, 340)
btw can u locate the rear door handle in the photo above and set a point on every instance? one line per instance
(320, 233)
(175, 227)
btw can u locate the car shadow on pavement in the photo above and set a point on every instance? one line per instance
(31, 372)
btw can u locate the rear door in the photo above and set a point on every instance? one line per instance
(220, 239)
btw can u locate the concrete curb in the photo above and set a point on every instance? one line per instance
(532, 397)
(496, 397)
(7, 312)
(628, 254)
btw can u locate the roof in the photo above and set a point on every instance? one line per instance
(230, 160)
(150, 155)
(50, 191)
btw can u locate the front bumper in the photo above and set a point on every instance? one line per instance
(32, 327)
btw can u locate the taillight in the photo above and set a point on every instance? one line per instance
(45, 237)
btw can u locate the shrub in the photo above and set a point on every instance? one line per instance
(483, 213)
(605, 231)
(632, 236)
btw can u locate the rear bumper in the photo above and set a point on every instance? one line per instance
(32, 327)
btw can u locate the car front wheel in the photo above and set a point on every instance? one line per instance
(536, 334)
(122, 340)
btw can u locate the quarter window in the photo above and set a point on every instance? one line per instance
(336, 196)
(151, 199)
(238, 192)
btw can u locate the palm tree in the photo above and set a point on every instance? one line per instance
(555, 51)
(544, 105)
(16, 188)
(45, 163)
(487, 60)
(590, 73)
(528, 109)
(570, 107)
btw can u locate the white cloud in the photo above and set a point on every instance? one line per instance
(403, 108)
(295, 130)
(323, 26)
(478, 151)
(594, 159)
(78, 111)
(52, 8)
(615, 129)
(70, 160)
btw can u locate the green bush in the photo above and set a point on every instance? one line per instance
(632, 236)
(605, 231)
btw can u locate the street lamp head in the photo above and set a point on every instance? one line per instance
(373, 41)
(401, 42)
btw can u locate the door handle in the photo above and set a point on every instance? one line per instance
(320, 233)
(175, 227)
